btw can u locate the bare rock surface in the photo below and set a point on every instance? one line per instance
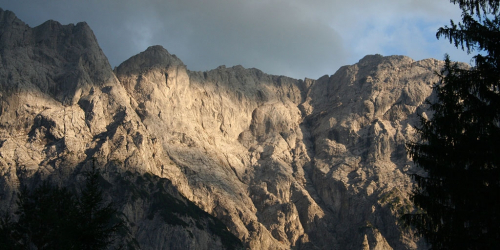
(62, 107)
(283, 163)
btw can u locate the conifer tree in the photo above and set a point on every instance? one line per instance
(46, 219)
(98, 222)
(52, 217)
(459, 146)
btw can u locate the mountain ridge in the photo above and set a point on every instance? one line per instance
(283, 163)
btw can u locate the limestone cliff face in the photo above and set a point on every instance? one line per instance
(283, 163)
(360, 119)
(61, 107)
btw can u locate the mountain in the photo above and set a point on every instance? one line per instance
(204, 160)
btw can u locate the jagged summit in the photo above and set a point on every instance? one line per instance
(21, 34)
(10, 25)
(80, 31)
(153, 56)
(54, 59)
(9, 18)
(379, 59)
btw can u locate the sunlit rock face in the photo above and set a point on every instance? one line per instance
(283, 163)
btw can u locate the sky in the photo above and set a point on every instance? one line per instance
(296, 38)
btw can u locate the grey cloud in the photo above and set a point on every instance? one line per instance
(297, 38)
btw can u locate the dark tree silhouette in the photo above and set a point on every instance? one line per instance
(52, 217)
(98, 222)
(459, 146)
(46, 217)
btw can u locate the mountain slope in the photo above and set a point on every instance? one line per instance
(283, 163)
(62, 107)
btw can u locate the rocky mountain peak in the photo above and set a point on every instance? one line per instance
(153, 57)
(52, 63)
(11, 29)
(53, 33)
(377, 59)
(8, 18)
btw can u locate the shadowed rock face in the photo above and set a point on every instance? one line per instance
(283, 163)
